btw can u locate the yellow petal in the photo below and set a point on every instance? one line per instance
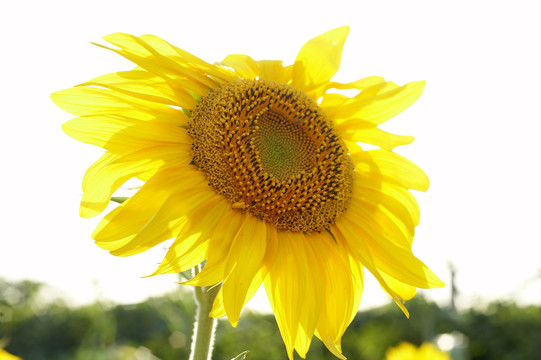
(382, 222)
(391, 167)
(145, 86)
(178, 185)
(296, 304)
(218, 309)
(331, 346)
(387, 255)
(398, 200)
(110, 172)
(343, 288)
(123, 135)
(189, 60)
(248, 68)
(275, 71)
(244, 261)
(83, 100)
(355, 132)
(160, 62)
(244, 66)
(319, 59)
(94, 207)
(381, 107)
(183, 255)
(347, 232)
(340, 107)
(330, 103)
(361, 84)
(173, 216)
(402, 265)
(219, 244)
(286, 296)
(314, 297)
(404, 291)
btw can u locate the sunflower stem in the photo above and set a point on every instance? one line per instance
(204, 325)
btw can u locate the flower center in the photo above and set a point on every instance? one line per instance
(271, 151)
(283, 146)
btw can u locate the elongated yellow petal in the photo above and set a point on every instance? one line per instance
(397, 201)
(357, 276)
(361, 84)
(343, 289)
(174, 215)
(271, 251)
(189, 60)
(123, 135)
(144, 85)
(244, 261)
(346, 231)
(275, 71)
(248, 68)
(244, 66)
(402, 265)
(372, 135)
(254, 285)
(131, 217)
(296, 305)
(319, 59)
(380, 220)
(404, 291)
(202, 209)
(381, 107)
(390, 167)
(341, 107)
(331, 346)
(388, 256)
(183, 255)
(286, 296)
(94, 202)
(218, 309)
(314, 297)
(220, 241)
(170, 68)
(204, 217)
(110, 172)
(83, 100)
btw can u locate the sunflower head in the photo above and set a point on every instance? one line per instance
(255, 168)
(272, 152)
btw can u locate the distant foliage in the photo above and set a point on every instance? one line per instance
(160, 328)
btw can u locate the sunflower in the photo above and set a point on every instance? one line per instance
(255, 168)
(407, 351)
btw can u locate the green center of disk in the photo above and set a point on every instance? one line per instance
(283, 146)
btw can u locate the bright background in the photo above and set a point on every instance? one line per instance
(477, 128)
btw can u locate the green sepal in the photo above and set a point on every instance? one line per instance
(119, 199)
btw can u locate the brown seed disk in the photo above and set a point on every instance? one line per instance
(271, 151)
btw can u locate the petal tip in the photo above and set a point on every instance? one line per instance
(339, 32)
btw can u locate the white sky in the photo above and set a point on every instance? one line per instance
(477, 127)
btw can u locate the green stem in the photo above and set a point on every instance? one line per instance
(204, 326)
